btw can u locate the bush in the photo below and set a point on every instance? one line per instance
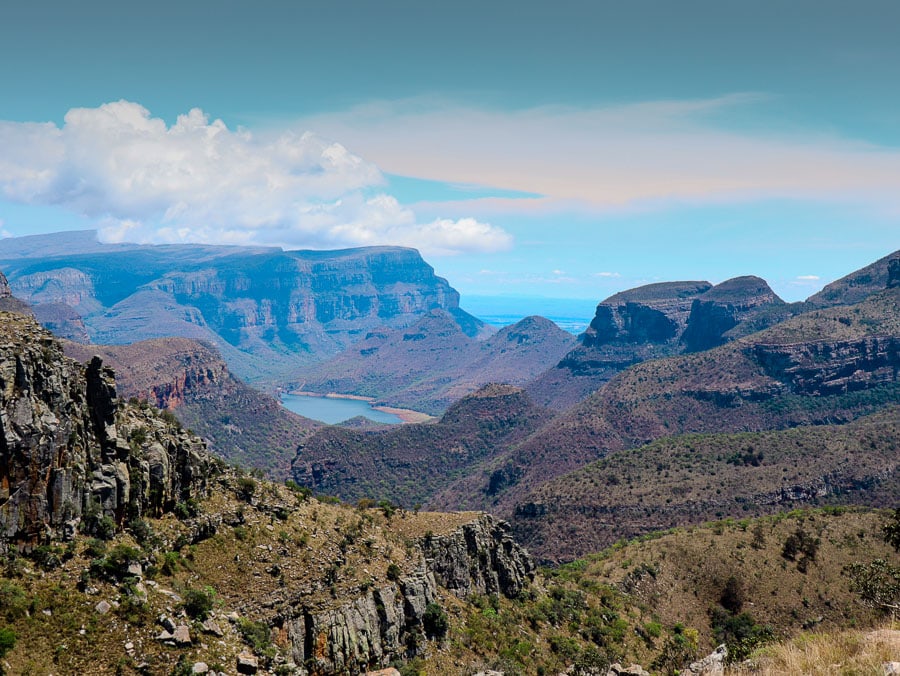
(13, 601)
(7, 641)
(256, 634)
(198, 603)
(394, 572)
(114, 566)
(246, 488)
(435, 621)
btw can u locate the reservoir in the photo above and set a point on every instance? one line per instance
(333, 410)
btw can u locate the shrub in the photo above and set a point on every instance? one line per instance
(394, 572)
(13, 601)
(256, 634)
(435, 621)
(198, 603)
(246, 488)
(7, 641)
(114, 566)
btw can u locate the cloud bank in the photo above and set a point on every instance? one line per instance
(612, 156)
(198, 181)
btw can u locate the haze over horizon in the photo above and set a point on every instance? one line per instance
(566, 151)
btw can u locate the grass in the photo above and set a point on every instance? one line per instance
(826, 654)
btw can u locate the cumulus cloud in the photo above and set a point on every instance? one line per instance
(199, 181)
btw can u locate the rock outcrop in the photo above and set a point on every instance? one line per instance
(628, 327)
(70, 451)
(8, 302)
(392, 621)
(191, 379)
(479, 558)
(723, 307)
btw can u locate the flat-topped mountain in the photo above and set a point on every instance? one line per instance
(716, 313)
(265, 309)
(819, 367)
(628, 327)
(430, 365)
(654, 321)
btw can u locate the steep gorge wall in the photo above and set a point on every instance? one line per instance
(69, 449)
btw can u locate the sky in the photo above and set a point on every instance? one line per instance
(529, 149)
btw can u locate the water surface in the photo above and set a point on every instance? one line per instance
(332, 410)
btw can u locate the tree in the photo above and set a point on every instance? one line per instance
(877, 583)
(891, 531)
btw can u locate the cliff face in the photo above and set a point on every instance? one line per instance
(628, 327)
(655, 321)
(268, 311)
(390, 621)
(8, 302)
(723, 307)
(240, 424)
(70, 451)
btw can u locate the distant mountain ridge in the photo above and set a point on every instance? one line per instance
(265, 309)
(433, 363)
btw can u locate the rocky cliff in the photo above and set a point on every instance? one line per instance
(628, 327)
(72, 452)
(8, 302)
(392, 621)
(655, 321)
(188, 378)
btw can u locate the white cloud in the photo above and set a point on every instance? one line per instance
(199, 181)
(606, 274)
(603, 157)
(808, 278)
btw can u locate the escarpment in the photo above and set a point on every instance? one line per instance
(72, 452)
(267, 311)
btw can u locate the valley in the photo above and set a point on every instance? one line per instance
(689, 418)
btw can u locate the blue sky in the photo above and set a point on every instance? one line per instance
(566, 149)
